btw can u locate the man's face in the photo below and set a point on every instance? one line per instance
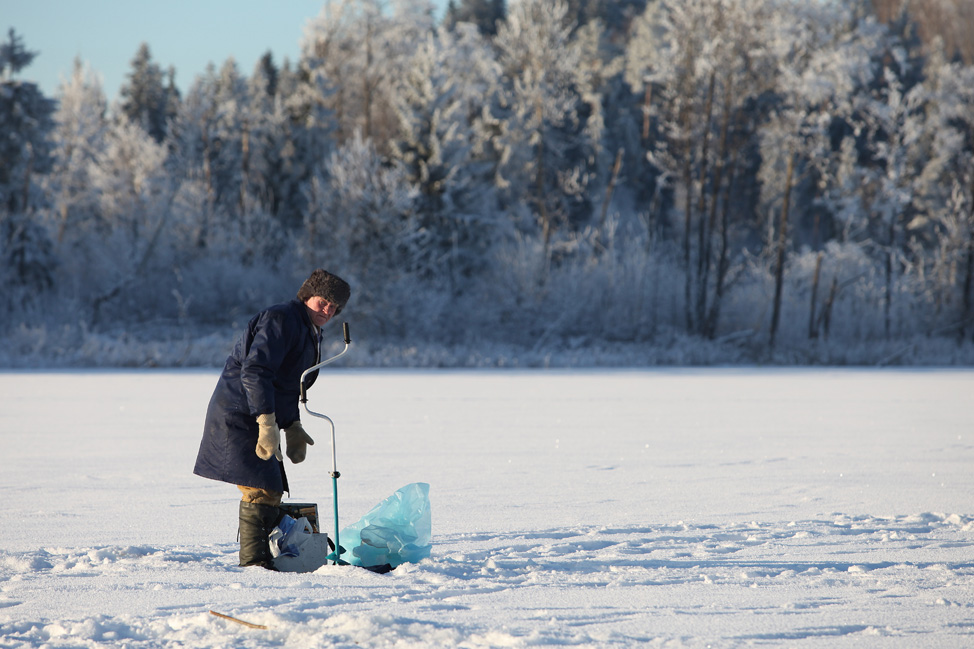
(320, 310)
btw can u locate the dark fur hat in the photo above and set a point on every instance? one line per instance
(323, 284)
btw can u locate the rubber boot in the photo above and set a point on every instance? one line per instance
(256, 523)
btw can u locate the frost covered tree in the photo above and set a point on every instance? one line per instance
(354, 52)
(485, 14)
(218, 148)
(359, 215)
(598, 82)
(195, 143)
(947, 182)
(79, 138)
(267, 215)
(26, 122)
(639, 62)
(618, 16)
(438, 105)
(231, 161)
(823, 64)
(885, 183)
(266, 144)
(26, 254)
(130, 180)
(703, 70)
(304, 134)
(746, 152)
(944, 24)
(134, 193)
(149, 98)
(540, 129)
(895, 119)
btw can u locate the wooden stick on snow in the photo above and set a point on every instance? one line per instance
(233, 619)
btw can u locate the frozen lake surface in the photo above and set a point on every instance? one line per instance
(660, 508)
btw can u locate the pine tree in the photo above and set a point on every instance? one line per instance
(262, 144)
(303, 130)
(26, 123)
(27, 260)
(209, 137)
(149, 99)
(485, 14)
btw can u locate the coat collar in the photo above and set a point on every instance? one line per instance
(313, 331)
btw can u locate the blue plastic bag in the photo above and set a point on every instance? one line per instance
(289, 536)
(394, 532)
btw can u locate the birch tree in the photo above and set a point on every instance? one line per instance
(823, 63)
(79, 137)
(704, 87)
(950, 169)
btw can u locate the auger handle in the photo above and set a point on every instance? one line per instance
(304, 389)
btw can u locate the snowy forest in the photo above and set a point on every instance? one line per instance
(532, 182)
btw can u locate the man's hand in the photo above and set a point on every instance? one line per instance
(297, 441)
(268, 437)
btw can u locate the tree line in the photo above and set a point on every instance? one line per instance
(773, 172)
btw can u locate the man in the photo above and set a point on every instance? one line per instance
(257, 397)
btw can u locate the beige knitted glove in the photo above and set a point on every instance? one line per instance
(268, 437)
(297, 441)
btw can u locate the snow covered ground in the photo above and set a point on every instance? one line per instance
(659, 508)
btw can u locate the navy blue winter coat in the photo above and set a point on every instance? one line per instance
(262, 374)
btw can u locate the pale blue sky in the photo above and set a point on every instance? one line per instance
(186, 34)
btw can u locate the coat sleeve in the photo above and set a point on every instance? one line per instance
(259, 368)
